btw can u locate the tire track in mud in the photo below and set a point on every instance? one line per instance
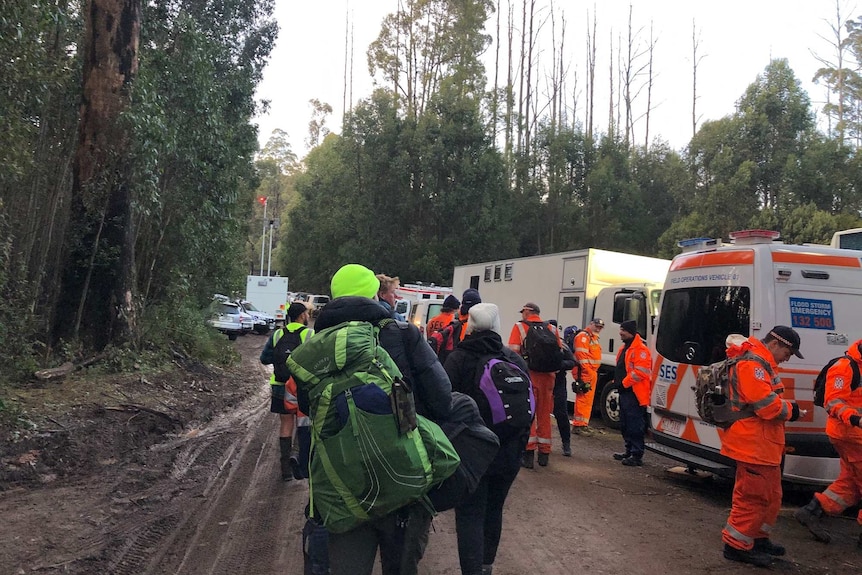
(245, 520)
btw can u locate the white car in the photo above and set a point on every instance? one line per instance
(263, 322)
(229, 318)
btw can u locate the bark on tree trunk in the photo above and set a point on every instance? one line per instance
(104, 292)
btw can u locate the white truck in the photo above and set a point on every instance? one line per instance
(268, 294)
(747, 287)
(573, 288)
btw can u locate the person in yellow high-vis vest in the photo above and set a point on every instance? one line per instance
(588, 355)
(284, 403)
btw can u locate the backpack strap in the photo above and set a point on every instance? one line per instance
(854, 366)
(744, 409)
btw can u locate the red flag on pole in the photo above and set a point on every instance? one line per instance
(262, 200)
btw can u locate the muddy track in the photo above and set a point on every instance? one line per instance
(209, 501)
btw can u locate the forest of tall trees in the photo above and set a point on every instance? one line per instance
(433, 170)
(129, 165)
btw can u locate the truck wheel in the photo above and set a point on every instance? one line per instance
(231, 336)
(610, 405)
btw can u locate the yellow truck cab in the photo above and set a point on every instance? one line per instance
(747, 287)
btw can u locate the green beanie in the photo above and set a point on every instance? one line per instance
(354, 279)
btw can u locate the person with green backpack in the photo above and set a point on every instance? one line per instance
(373, 389)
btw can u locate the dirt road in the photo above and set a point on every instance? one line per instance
(200, 496)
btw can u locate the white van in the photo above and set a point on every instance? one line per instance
(419, 311)
(748, 287)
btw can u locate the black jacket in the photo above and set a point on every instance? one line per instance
(408, 349)
(463, 363)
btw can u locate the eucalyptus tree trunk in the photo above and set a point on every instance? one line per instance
(100, 272)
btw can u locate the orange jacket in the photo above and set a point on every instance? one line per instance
(638, 366)
(759, 439)
(842, 403)
(588, 354)
(439, 321)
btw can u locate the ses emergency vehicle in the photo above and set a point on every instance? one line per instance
(747, 287)
(419, 302)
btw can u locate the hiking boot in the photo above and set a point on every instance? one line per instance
(766, 546)
(753, 557)
(810, 517)
(567, 449)
(285, 445)
(582, 430)
(632, 461)
(621, 456)
(295, 469)
(486, 569)
(527, 459)
(543, 459)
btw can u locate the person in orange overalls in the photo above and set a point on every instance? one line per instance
(543, 389)
(843, 403)
(588, 355)
(756, 442)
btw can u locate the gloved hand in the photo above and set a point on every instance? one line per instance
(855, 420)
(795, 414)
(581, 387)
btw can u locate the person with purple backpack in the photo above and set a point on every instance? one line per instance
(479, 362)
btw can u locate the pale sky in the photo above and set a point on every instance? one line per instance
(737, 40)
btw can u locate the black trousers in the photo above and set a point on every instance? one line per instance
(632, 423)
(561, 410)
(479, 518)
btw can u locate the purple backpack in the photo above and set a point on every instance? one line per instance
(505, 395)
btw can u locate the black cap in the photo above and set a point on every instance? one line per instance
(295, 310)
(787, 336)
(470, 298)
(630, 326)
(451, 302)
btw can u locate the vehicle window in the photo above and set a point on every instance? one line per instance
(249, 306)
(434, 310)
(620, 299)
(401, 306)
(694, 322)
(228, 309)
(654, 301)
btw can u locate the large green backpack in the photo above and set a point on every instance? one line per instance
(364, 463)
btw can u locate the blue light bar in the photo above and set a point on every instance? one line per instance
(692, 242)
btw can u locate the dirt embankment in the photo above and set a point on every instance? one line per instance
(178, 474)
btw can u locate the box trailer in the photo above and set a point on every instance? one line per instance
(268, 294)
(573, 288)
